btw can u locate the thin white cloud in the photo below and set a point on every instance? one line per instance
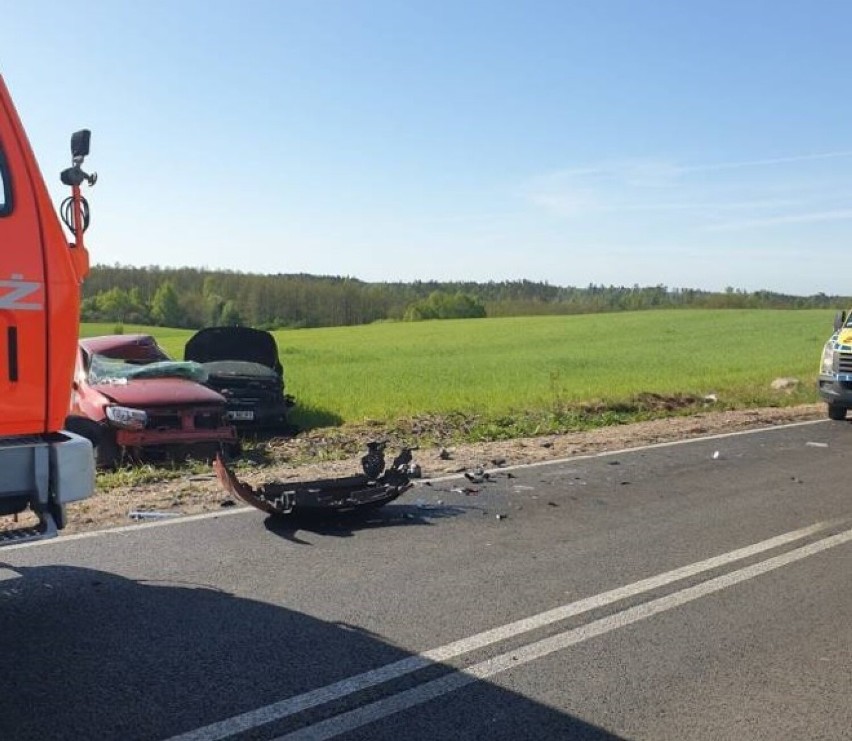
(567, 202)
(806, 218)
(792, 159)
(637, 172)
(713, 206)
(628, 186)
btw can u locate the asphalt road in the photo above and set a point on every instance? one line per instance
(688, 591)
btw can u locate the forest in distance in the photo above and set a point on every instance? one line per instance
(195, 297)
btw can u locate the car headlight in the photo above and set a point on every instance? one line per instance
(827, 365)
(127, 418)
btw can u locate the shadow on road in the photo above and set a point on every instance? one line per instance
(91, 655)
(348, 524)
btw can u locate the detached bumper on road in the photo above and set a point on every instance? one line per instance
(374, 488)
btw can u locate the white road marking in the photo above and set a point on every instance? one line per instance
(337, 690)
(455, 680)
(128, 528)
(453, 477)
(625, 451)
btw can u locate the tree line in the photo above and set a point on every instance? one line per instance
(194, 298)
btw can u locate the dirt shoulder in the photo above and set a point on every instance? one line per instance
(195, 494)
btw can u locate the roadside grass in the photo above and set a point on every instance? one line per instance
(139, 474)
(487, 379)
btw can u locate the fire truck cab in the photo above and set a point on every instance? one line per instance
(43, 466)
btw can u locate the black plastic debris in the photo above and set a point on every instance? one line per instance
(477, 476)
(374, 488)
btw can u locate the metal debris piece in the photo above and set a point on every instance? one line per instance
(151, 515)
(414, 471)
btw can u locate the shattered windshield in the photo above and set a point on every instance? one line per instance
(117, 370)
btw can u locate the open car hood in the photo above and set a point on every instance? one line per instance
(233, 343)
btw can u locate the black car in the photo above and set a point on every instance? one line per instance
(242, 364)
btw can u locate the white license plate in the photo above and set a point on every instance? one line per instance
(241, 416)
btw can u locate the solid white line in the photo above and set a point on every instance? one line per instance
(358, 682)
(129, 528)
(453, 477)
(625, 451)
(418, 695)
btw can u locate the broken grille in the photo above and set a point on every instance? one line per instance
(199, 419)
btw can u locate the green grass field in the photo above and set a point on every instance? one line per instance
(531, 374)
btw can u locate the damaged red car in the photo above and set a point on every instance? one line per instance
(144, 404)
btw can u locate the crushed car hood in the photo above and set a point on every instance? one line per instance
(233, 343)
(158, 392)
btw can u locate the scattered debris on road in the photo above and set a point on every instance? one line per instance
(325, 453)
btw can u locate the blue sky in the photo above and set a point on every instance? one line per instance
(694, 144)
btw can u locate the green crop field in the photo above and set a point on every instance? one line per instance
(530, 374)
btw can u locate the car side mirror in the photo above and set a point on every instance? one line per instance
(839, 320)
